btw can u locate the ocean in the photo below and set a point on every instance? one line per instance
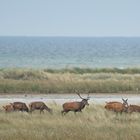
(68, 52)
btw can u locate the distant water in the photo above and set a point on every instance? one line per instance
(67, 52)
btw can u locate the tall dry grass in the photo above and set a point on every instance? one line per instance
(43, 81)
(95, 123)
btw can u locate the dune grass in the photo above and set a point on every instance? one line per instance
(67, 80)
(95, 123)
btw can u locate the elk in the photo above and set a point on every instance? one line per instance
(75, 106)
(133, 108)
(39, 106)
(117, 106)
(19, 106)
(8, 108)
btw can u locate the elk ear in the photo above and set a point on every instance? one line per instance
(126, 100)
(123, 99)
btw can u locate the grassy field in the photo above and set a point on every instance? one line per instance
(95, 123)
(67, 80)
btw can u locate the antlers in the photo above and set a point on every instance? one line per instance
(125, 101)
(81, 96)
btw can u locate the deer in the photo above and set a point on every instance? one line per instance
(39, 106)
(75, 106)
(19, 106)
(133, 108)
(117, 106)
(8, 108)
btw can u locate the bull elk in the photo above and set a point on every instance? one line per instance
(117, 106)
(133, 108)
(39, 106)
(19, 106)
(75, 106)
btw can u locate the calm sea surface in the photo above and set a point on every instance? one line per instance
(67, 52)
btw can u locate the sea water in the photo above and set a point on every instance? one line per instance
(68, 52)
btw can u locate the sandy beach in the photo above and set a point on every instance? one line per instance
(61, 98)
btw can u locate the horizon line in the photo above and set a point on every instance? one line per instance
(74, 36)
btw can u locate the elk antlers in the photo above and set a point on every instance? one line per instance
(81, 96)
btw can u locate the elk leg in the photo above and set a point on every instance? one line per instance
(31, 111)
(65, 112)
(41, 110)
(62, 112)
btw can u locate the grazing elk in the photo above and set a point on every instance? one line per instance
(75, 106)
(133, 108)
(8, 108)
(117, 106)
(19, 106)
(39, 106)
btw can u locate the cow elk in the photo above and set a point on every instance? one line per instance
(8, 108)
(75, 106)
(117, 106)
(133, 108)
(19, 106)
(39, 106)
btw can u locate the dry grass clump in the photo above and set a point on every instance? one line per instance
(42, 81)
(95, 123)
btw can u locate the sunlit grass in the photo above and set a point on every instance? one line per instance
(95, 123)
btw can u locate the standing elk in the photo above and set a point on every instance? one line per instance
(8, 108)
(75, 106)
(19, 106)
(117, 106)
(133, 108)
(39, 106)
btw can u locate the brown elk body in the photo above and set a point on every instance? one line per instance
(8, 108)
(75, 106)
(133, 108)
(39, 106)
(117, 106)
(112, 102)
(20, 106)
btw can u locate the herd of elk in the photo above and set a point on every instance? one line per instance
(122, 107)
(20, 106)
(75, 106)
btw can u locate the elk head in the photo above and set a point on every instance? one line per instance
(84, 100)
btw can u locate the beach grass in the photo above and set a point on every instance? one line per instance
(68, 80)
(95, 123)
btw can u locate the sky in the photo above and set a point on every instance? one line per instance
(70, 18)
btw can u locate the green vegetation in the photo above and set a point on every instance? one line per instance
(77, 70)
(67, 80)
(95, 123)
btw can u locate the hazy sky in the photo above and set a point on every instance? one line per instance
(70, 17)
